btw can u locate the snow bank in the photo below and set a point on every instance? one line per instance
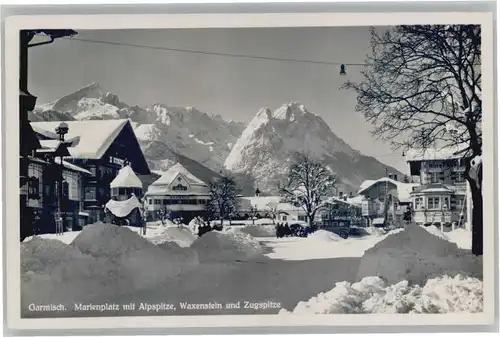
(462, 237)
(66, 237)
(182, 236)
(259, 231)
(443, 294)
(188, 257)
(324, 236)
(295, 249)
(54, 272)
(226, 247)
(416, 255)
(134, 257)
(374, 231)
(435, 231)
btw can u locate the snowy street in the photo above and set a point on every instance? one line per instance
(284, 282)
(171, 268)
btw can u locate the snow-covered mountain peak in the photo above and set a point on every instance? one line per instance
(272, 137)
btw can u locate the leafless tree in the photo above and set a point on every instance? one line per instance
(223, 197)
(422, 88)
(273, 210)
(309, 181)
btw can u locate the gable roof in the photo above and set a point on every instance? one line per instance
(90, 138)
(404, 189)
(169, 176)
(126, 177)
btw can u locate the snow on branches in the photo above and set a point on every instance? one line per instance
(307, 184)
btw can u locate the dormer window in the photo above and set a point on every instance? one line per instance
(179, 187)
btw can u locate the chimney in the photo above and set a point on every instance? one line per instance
(345, 197)
(341, 194)
(395, 177)
(350, 194)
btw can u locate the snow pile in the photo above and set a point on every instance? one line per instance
(435, 231)
(443, 294)
(462, 237)
(324, 236)
(181, 235)
(416, 255)
(54, 272)
(259, 231)
(226, 247)
(188, 257)
(375, 231)
(133, 257)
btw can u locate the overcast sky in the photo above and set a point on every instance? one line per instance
(235, 88)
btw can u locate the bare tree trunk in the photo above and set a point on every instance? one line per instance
(477, 220)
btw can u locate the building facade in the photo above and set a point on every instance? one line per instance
(177, 194)
(101, 147)
(442, 197)
(125, 206)
(385, 198)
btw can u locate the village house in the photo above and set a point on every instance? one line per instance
(126, 194)
(177, 193)
(101, 147)
(53, 197)
(442, 197)
(336, 211)
(385, 197)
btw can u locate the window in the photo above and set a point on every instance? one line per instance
(90, 193)
(434, 177)
(150, 201)
(35, 185)
(179, 187)
(114, 192)
(157, 201)
(283, 217)
(93, 170)
(446, 202)
(302, 218)
(459, 177)
(73, 180)
(433, 203)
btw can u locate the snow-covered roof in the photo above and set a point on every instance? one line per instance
(348, 201)
(123, 208)
(356, 200)
(450, 152)
(366, 183)
(49, 143)
(71, 166)
(164, 190)
(162, 186)
(169, 176)
(263, 204)
(126, 177)
(404, 189)
(436, 188)
(91, 138)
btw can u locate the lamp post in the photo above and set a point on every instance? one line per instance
(61, 130)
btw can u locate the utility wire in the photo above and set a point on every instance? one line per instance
(214, 53)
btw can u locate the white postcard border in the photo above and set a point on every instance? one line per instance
(197, 21)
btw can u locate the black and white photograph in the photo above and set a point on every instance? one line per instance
(279, 171)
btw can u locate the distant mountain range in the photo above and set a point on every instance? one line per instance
(257, 154)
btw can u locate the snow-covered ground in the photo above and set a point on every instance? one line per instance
(317, 248)
(108, 263)
(320, 245)
(372, 295)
